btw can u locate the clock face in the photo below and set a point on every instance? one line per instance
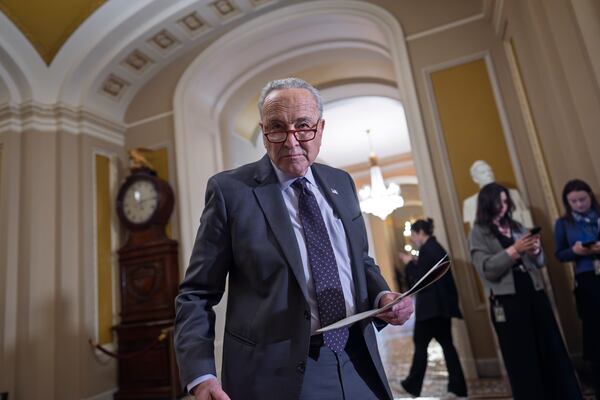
(140, 201)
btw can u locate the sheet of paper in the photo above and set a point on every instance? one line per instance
(435, 273)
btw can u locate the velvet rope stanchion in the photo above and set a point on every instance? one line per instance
(164, 334)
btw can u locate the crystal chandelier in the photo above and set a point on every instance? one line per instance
(376, 199)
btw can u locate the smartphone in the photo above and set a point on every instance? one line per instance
(535, 231)
(589, 243)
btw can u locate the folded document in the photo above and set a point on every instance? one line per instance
(435, 273)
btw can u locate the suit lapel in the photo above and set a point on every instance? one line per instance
(334, 195)
(268, 194)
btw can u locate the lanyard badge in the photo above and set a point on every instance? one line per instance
(499, 314)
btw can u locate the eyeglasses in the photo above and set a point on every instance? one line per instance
(301, 135)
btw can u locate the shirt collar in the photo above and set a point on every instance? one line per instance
(285, 180)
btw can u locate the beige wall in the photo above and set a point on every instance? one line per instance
(9, 231)
(48, 265)
(436, 51)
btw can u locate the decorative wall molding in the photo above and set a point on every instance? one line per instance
(59, 118)
(499, 18)
(457, 230)
(114, 87)
(122, 46)
(108, 395)
(114, 52)
(389, 168)
(149, 119)
(113, 161)
(225, 9)
(445, 27)
(194, 24)
(138, 61)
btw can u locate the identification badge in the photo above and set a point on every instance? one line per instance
(499, 315)
(597, 266)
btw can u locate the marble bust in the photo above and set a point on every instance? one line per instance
(482, 174)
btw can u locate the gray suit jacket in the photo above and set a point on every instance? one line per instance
(495, 265)
(245, 231)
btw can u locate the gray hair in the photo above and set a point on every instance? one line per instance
(289, 83)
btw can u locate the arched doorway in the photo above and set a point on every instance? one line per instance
(214, 103)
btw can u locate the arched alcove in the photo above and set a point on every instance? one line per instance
(303, 32)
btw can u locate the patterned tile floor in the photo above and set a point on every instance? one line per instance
(396, 349)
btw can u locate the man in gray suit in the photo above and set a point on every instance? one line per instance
(291, 237)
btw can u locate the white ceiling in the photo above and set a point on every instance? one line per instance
(345, 141)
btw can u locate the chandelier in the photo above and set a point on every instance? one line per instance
(377, 199)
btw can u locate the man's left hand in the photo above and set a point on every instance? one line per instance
(399, 313)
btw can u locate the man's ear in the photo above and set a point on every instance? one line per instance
(322, 125)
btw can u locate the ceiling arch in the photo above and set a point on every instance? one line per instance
(48, 24)
(100, 63)
(211, 83)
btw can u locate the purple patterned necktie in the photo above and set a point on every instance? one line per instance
(328, 287)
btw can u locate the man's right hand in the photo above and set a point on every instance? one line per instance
(210, 389)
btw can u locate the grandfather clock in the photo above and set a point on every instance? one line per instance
(149, 276)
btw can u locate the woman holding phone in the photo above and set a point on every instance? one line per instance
(577, 239)
(508, 259)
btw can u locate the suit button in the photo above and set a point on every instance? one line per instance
(307, 315)
(301, 367)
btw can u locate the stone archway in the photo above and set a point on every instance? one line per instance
(212, 80)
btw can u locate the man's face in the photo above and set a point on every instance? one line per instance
(288, 109)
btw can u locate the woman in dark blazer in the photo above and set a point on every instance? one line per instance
(577, 237)
(508, 258)
(435, 306)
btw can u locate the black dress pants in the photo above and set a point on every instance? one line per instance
(587, 295)
(440, 330)
(534, 354)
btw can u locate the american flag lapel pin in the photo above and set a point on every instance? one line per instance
(334, 191)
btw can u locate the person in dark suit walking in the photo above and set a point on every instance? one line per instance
(435, 306)
(290, 237)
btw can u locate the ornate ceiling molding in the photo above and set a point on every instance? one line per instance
(114, 52)
(59, 118)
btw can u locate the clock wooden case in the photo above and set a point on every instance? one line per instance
(149, 277)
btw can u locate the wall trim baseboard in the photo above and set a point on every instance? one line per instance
(108, 395)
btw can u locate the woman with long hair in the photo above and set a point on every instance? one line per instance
(508, 258)
(577, 239)
(434, 309)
